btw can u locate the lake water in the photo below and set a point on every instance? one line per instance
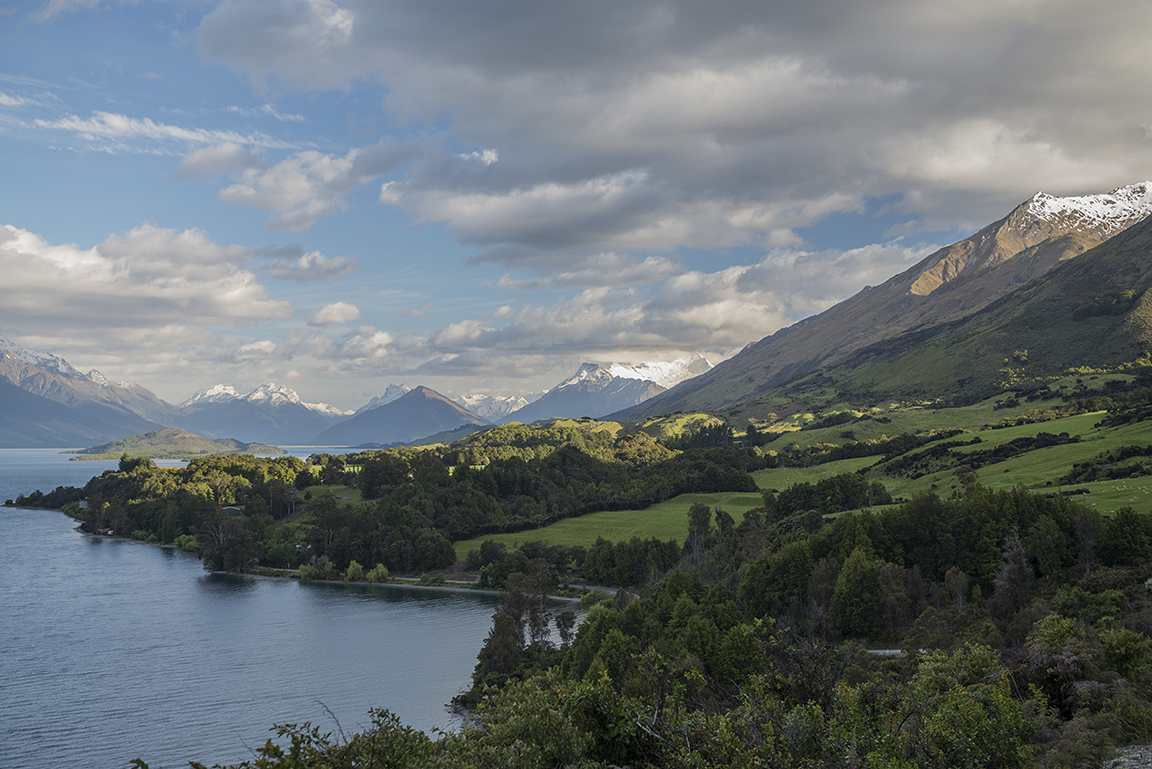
(112, 650)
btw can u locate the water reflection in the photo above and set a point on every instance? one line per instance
(122, 650)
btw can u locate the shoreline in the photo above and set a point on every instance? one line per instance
(453, 585)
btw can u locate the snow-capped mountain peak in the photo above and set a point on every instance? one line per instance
(1108, 213)
(666, 374)
(269, 394)
(273, 394)
(494, 407)
(218, 393)
(391, 393)
(40, 360)
(104, 381)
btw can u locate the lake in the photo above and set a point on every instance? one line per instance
(114, 650)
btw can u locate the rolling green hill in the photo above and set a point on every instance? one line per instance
(171, 443)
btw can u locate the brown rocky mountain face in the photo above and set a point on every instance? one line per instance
(947, 285)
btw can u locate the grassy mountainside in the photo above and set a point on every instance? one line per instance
(1093, 312)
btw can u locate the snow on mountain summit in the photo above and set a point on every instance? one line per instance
(40, 360)
(666, 374)
(1108, 213)
(269, 394)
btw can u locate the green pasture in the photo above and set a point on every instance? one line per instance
(1107, 497)
(1038, 470)
(780, 478)
(664, 521)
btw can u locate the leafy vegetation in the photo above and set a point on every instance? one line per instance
(1023, 620)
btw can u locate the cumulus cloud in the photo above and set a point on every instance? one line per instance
(654, 126)
(312, 266)
(310, 185)
(604, 270)
(146, 278)
(364, 347)
(337, 312)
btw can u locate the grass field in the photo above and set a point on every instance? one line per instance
(667, 520)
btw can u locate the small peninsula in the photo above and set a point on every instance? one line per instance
(171, 443)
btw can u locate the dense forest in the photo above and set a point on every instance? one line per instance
(399, 508)
(1020, 621)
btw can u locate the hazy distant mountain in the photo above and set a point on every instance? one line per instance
(495, 407)
(33, 421)
(391, 393)
(67, 408)
(416, 414)
(52, 377)
(270, 413)
(947, 285)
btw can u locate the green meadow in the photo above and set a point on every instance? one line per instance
(664, 521)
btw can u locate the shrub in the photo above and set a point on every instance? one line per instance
(379, 573)
(355, 572)
(188, 543)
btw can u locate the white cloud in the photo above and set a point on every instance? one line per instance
(310, 184)
(115, 132)
(145, 278)
(335, 313)
(360, 349)
(312, 266)
(604, 270)
(216, 160)
(268, 110)
(7, 100)
(655, 126)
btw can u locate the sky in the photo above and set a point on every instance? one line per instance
(480, 196)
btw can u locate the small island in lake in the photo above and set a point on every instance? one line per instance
(171, 443)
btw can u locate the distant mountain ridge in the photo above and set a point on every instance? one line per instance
(494, 407)
(391, 393)
(270, 394)
(270, 414)
(417, 414)
(949, 284)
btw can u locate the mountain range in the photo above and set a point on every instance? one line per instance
(1058, 282)
(44, 401)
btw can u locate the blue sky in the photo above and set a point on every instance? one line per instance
(478, 197)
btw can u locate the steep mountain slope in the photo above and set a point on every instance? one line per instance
(92, 417)
(592, 391)
(269, 414)
(1094, 311)
(52, 377)
(951, 283)
(416, 414)
(32, 421)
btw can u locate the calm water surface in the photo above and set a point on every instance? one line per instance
(112, 650)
